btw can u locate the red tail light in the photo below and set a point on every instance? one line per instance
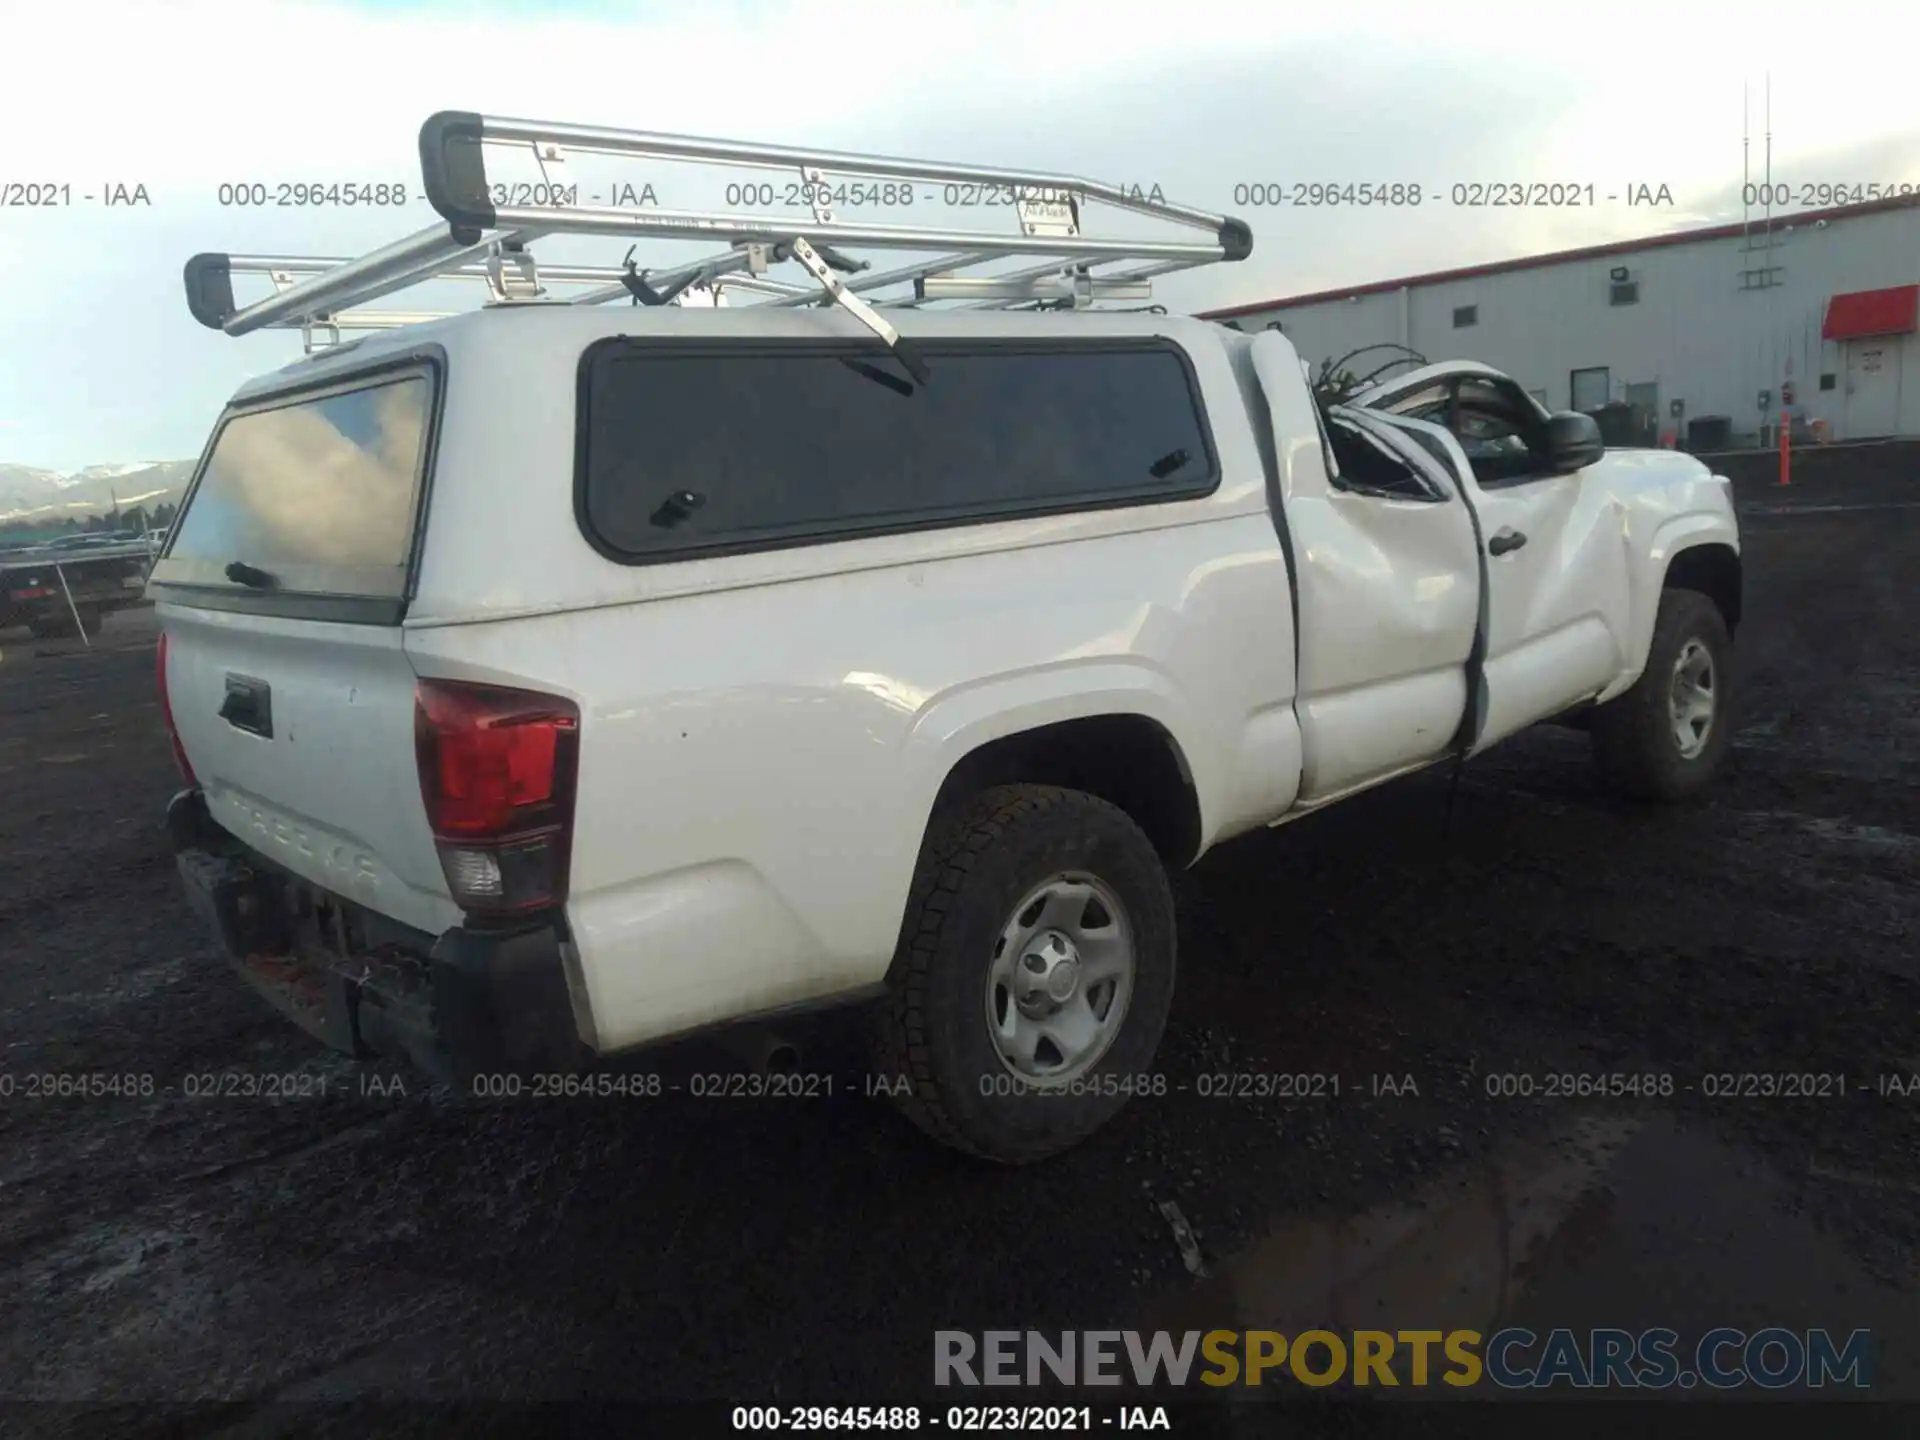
(497, 772)
(166, 710)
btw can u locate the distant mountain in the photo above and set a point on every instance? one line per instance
(29, 494)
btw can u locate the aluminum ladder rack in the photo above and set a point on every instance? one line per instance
(483, 241)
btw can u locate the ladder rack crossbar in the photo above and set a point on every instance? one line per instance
(368, 320)
(1115, 277)
(771, 229)
(906, 274)
(320, 265)
(453, 166)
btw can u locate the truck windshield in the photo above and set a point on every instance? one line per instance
(320, 493)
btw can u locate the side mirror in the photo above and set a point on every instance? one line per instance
(1573, 441)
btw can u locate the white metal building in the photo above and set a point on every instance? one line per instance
(1683, 328)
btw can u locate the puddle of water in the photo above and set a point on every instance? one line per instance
(1871, 837)
(133, 986)
(1761, 735)
(1844, 833)
(1778, 510)
(1629, 1222)
(1449, 1258)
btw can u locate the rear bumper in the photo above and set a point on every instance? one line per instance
(467, 1003)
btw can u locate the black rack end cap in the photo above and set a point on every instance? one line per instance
(1236, 238)
(209, 280)
(453, 169)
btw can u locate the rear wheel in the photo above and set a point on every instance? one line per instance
(1034, 974)
(1665, 738)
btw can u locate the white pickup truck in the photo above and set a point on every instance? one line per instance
(553, 680)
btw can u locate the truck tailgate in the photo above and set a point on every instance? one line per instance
(301, 733)
(281, 593)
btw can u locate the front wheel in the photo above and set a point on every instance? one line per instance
(1034, 975)
(1665, 738)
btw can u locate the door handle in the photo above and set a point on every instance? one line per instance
(1505, 540)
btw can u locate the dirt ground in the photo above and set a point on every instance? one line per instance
(381, 1238)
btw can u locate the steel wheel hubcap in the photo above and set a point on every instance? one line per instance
(1690, 699)
(1061, 977)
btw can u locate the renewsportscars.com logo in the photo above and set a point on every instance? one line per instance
(1509, 1359)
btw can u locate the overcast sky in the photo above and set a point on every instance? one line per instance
(100, 362)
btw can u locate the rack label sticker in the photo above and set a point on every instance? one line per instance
(1051, 215)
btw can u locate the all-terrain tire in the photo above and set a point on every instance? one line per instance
(932, 1030)
(1636, 743)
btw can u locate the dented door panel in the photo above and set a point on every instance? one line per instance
(1388, 603)
(1558, 605)
(1556, 625)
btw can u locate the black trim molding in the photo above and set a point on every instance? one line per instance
(209, 282)
(453, 170)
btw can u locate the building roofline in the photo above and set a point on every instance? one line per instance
(1566, 257)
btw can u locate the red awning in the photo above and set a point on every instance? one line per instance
(1872, 312)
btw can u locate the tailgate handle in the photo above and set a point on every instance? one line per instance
(248, 706)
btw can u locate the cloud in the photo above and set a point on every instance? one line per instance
(293, 486)
(107, 364)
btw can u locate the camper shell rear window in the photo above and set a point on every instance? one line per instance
(308, 503)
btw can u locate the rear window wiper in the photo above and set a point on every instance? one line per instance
(252, 576)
